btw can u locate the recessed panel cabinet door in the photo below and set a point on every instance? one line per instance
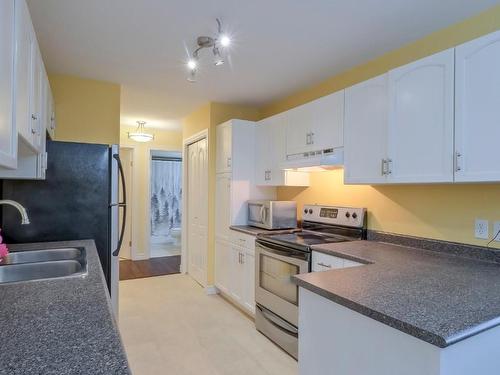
(477, 110)
(298, 129)
(328, 121)
(365, 133)
(223, 150)
(222, 265)
(421, 120)
(8, 132)
(263, 159)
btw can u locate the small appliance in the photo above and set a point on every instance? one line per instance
(271, 215)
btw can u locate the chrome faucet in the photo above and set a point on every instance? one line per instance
(24, 215)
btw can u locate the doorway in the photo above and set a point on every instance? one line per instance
(166, 204)
(195, 250)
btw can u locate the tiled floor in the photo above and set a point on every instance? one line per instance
(170, 326)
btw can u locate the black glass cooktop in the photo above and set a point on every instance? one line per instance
(303, 239)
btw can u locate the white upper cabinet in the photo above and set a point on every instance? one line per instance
(8, 131)
(315, 126)
(270, 155)
(477, 110)
(224, 152)
(420, 143)
(223, 214)
(366, 126)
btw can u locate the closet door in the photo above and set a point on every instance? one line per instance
(477, 110)
(421, 120)
(365, 133)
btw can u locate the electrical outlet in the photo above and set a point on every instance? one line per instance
(496, 231)
(482, 229)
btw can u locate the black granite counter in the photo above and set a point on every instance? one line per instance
(436, 297)
(254, 231)
(60, 326)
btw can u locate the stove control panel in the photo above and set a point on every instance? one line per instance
(346, 216)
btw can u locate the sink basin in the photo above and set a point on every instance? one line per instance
(44, 255)
(41, 270)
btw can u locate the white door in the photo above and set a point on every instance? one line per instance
(236, 280)
(223, 158)
(8, 132)
(222, 264)
(421, 120)
(249, 280)
(298, 129)
(223, 205)
(197, 196)
(477, 110)
(365, 133)
(328, 121)
(126, 157)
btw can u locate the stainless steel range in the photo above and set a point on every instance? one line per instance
(281, 256)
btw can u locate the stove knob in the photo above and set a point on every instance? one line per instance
(354, 215)
(310, 211)
(305, 210)
(347, 215)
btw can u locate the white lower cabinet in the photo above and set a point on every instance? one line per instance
(235, 270)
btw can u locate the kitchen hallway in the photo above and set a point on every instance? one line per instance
(170, 326)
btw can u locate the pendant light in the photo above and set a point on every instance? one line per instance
(140, 134)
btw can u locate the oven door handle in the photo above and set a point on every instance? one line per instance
(283, 251)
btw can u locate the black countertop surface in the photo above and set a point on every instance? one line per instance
(436, 297)
(60, 326)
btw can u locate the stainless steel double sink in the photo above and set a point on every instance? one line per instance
(43, 264)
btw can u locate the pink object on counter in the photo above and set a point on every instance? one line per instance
(4, 250)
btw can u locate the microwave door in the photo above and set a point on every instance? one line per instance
(256, 213)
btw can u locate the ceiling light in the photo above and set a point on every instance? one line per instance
(224, 41)
(140, 134)
(218, 60)
(221, 40)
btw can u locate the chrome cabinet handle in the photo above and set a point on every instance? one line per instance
(383, 164)
(308, 139)
(388, 163)
(312, 138)
(458, 155)
(34, 117)
(228, 162)
(324, 265)
(242, 258)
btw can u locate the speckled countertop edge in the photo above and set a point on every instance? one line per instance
(441, 341)
(60, 325)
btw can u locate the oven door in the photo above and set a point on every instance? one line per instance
(258, 215)
(274, 289)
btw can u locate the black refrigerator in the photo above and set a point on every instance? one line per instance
(77, 200)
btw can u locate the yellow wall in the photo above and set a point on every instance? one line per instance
(436, 211)
(208, 117)
(164, 140)
(86, 110)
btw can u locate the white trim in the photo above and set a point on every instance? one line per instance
(185, 143)
(210, 290)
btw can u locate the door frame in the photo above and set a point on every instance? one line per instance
(204, 134)
(130, 200)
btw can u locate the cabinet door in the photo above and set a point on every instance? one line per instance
(328, 121)
(8, 132)
(477, 110)
(249, 279)
(298, 129)
(365, 133)
(262, 153)
(223, 205)
(421, 120)
(236, 285)
(223, 263)
(223, 150)
(36, 97)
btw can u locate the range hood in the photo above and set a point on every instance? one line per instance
(318, 161)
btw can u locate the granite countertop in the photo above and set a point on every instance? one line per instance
(436, 297)
(254, 231)
(60, 326)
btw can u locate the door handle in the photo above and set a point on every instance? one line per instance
(308, 138)
(383, 167)
(458, 155)
(122, 204)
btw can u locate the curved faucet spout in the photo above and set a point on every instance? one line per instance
(24, 215)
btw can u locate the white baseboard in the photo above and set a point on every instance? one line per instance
(211, 290)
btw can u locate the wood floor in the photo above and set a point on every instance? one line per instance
(138, 269)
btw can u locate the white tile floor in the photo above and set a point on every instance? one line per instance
(170, 326)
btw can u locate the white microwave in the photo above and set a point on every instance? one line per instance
(270, 215)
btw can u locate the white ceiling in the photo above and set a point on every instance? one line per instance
(280, 46)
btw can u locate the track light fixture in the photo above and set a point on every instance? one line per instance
(217, 44)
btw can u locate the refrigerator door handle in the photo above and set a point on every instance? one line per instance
(122, 204)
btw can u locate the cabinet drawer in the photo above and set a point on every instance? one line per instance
(325, 262)
(242, 239)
